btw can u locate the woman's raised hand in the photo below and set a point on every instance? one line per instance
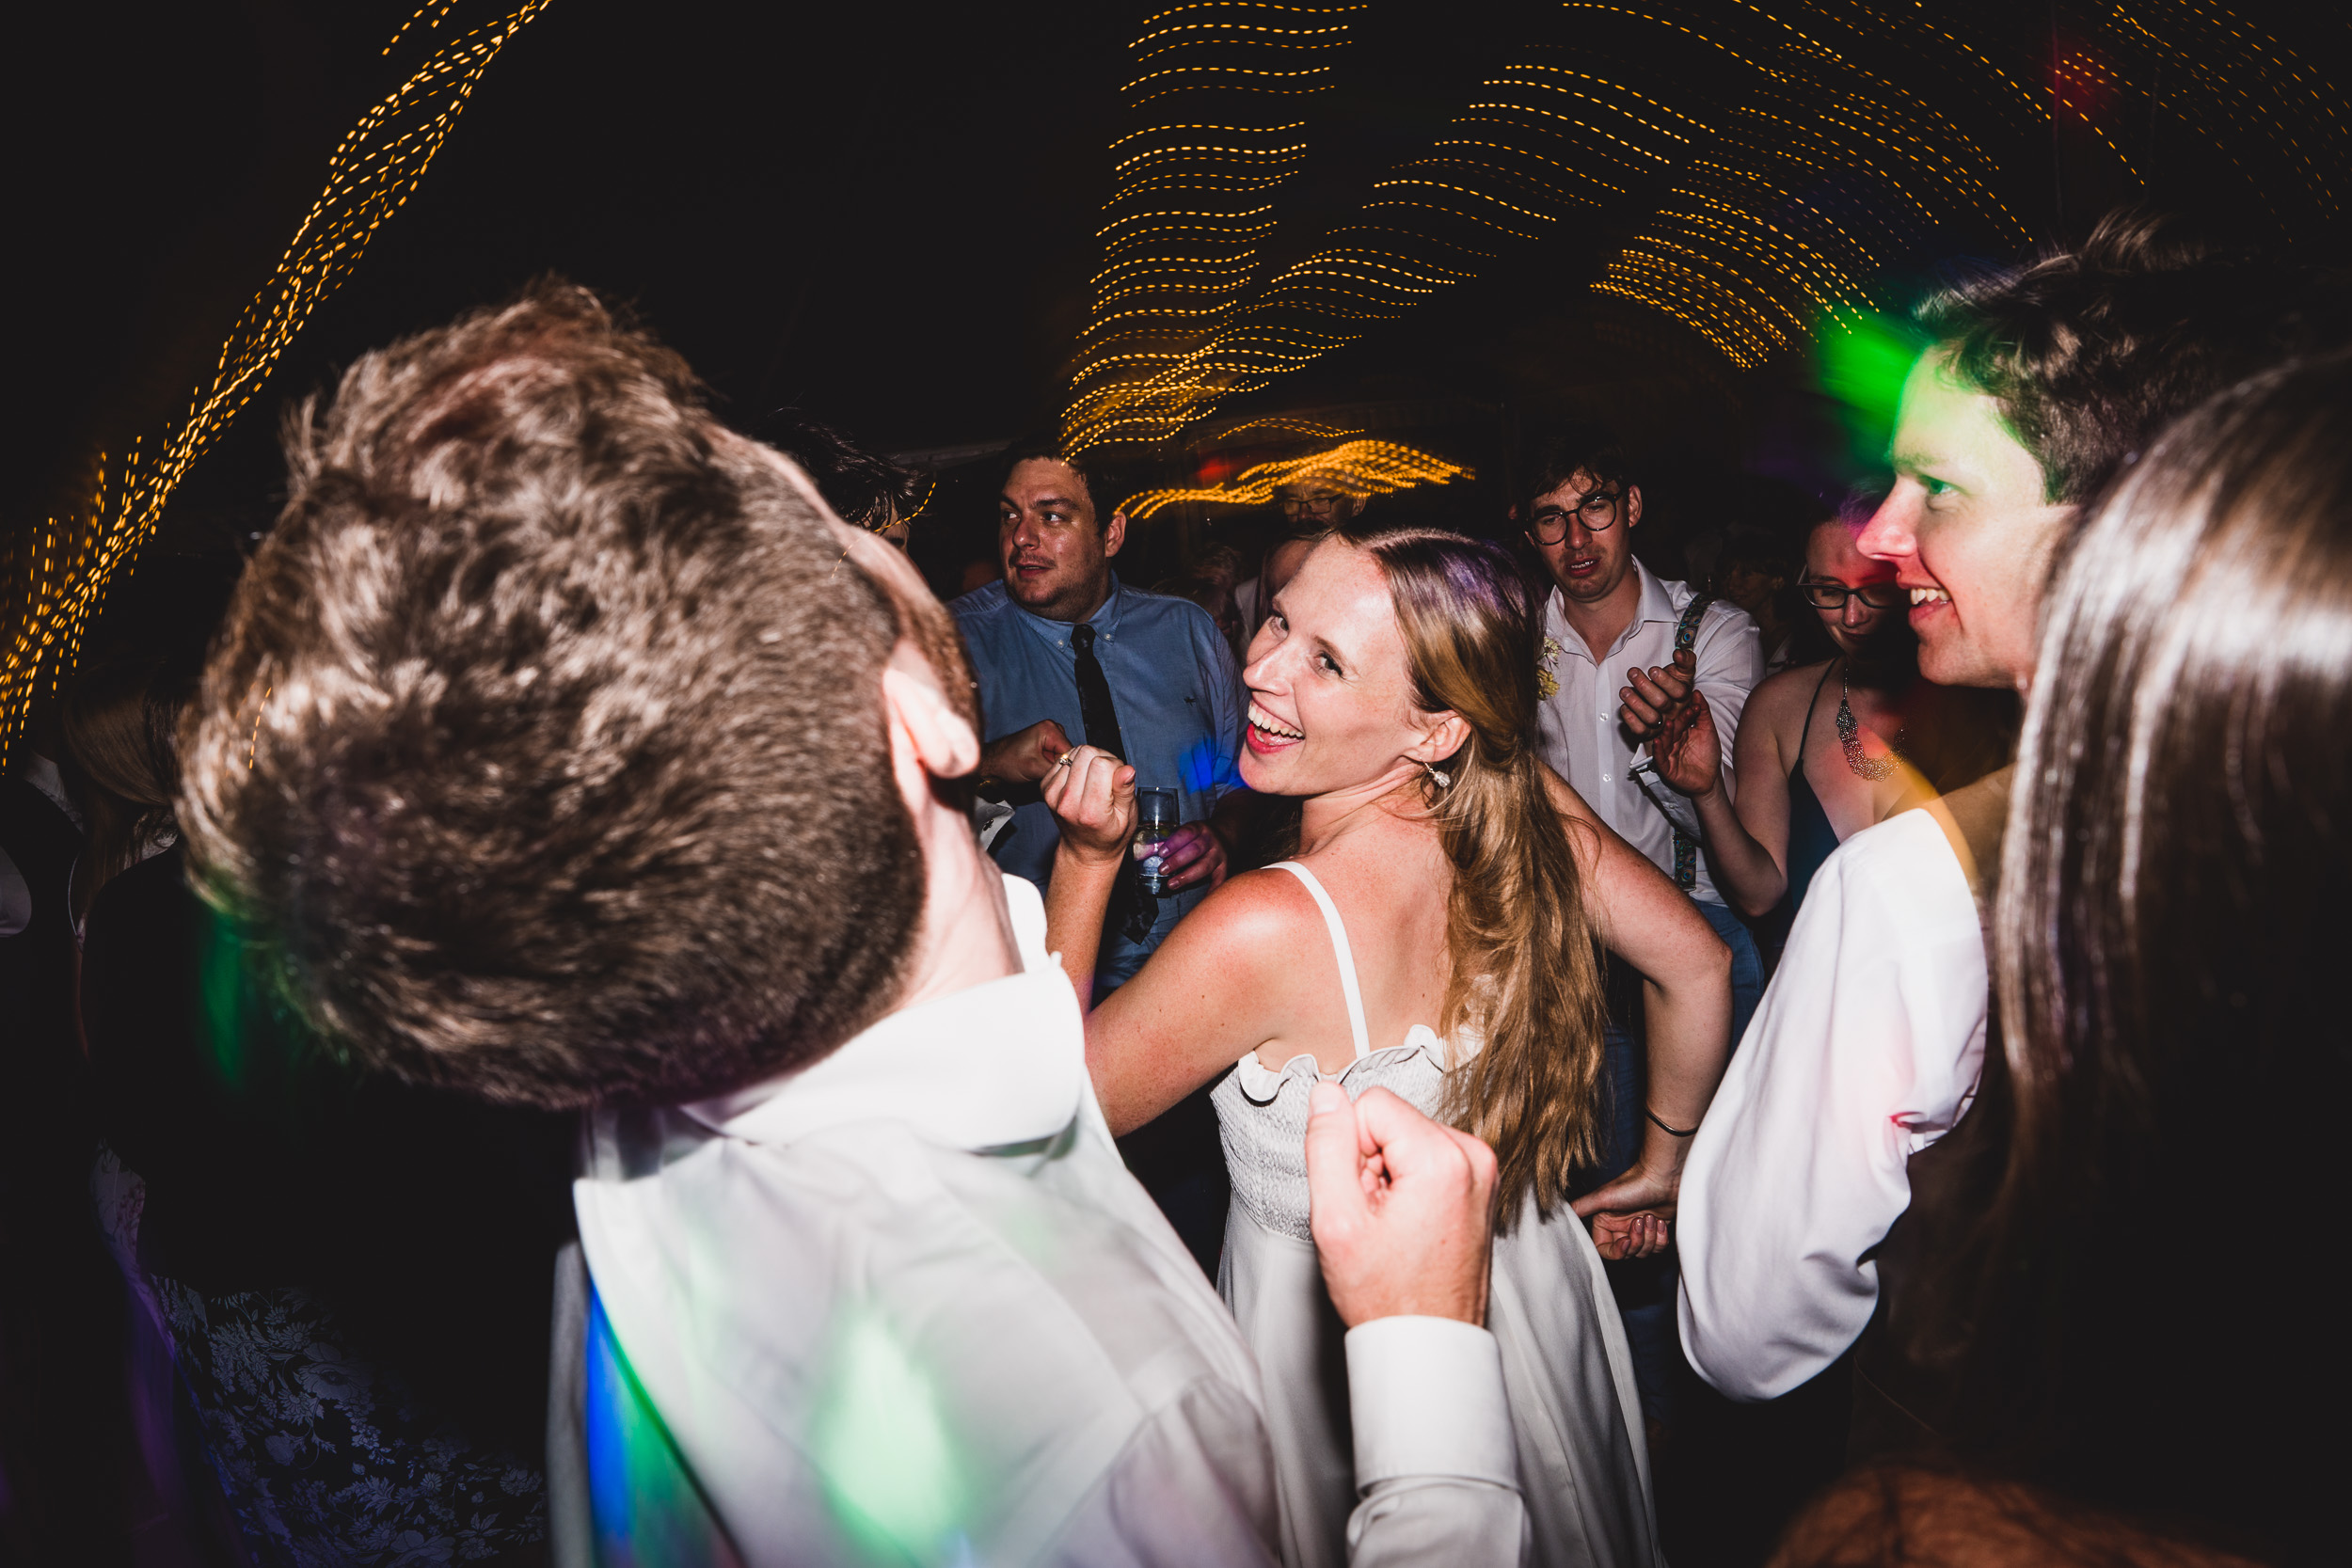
(1689, 752)
(1664, 707)
(1092, 795)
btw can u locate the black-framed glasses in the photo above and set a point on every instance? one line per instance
(1833, 596)
(1597, 512)
(1322, 504)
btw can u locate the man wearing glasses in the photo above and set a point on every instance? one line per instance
(1312, 505)
(1608, 616)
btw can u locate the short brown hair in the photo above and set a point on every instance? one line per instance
(2091, 353)
(1107, 489)
(542, 755)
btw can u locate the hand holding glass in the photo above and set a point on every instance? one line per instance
(1155, 819)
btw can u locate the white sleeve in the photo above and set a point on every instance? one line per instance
(1436, 1467)
(1865, 1049)
(1730, 656)
(1435, 1462)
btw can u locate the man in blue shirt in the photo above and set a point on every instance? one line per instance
(1066, 653)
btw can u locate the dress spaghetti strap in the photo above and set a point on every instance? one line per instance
(1811, 839)
(1341, 950)
(1828, 670)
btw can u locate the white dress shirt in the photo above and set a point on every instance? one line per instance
(1864, 1050)
(907, 1304)
(1583, 741)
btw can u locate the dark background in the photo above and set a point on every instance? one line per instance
(886, 217)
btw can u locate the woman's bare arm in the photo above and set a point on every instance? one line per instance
(1686, 977)
(1210, 994)
(1221, 984)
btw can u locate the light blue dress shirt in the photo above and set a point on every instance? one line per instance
(1179, 697)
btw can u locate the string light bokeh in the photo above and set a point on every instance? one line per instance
(54, 580)
(1769, 170)
(1362, 467)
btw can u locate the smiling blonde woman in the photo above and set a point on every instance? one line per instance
(1437, 930)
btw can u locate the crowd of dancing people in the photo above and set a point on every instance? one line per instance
(587, 1017)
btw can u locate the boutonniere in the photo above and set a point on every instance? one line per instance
(1548, 684)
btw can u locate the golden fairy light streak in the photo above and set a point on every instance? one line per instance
(1814, 170)
(1193, 197)
(1285, 424)
(1360, 467)
(1742, 248)
(1773, 165)
(55, 580)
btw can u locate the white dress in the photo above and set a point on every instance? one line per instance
(1584, 1462)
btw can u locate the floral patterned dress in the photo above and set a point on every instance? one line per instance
(325, 1459)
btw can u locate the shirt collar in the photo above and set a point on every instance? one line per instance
(1657, 603)
(996, 1065)
(1105, 619)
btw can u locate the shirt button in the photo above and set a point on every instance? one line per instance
(1606, 779)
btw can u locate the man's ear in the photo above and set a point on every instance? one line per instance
(1114, 533)
(1632, 506)
(939, 738)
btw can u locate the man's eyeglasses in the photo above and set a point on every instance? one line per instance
(1833, 596)
(1598, 512)
(1320, 502)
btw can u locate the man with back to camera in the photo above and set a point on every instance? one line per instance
(560, 749)
(1607, 614)
(1066, 654)
(2037, 388)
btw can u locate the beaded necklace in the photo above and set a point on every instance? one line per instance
(1849, 737)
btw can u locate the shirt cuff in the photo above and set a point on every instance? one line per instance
(1425, 1398)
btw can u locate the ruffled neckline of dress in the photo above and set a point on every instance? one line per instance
(1261, 1085)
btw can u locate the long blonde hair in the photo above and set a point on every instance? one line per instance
(1525, 967)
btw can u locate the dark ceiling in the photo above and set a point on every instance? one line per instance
(884, 214)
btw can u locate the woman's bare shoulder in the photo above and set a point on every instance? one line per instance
(1255, 912)
(1790, 692)
(1586, 830)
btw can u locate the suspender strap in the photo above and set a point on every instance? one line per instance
(1687, 847)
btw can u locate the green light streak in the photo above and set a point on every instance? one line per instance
(1861, 369)
(882, 1442)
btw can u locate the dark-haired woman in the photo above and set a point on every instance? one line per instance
(1437, 931)
(1827, 748)
(2146, 1351)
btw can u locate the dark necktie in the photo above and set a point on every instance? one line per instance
(1132, 911)
(1095, 709)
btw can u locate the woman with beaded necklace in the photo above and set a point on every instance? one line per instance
(1827, 748)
